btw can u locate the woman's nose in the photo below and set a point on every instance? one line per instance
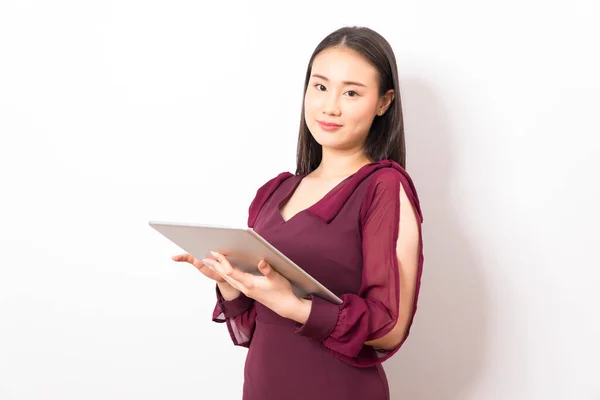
(331, 105)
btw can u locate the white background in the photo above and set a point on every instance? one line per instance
(113, 113)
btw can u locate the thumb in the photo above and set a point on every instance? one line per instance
(265, 269)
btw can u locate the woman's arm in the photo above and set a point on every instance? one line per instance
(238, 313)
(227, 291)
(407, 253)
(371, 325)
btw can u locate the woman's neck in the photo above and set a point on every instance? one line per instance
(334, 166)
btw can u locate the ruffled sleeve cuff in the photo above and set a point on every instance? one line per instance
(230, 308)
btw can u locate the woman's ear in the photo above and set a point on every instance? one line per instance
(385, 101)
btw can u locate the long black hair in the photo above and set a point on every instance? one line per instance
(385, 140)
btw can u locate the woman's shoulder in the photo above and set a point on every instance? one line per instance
(263, 193)
(386, 180)
(388, 171)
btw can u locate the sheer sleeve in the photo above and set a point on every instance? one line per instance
(240, 316)
(373, 312)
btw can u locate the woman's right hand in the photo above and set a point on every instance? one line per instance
(206, 270)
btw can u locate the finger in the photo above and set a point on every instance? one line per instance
(244, 278)
(244, 281)
(189, 259)
(183, 258)
(235, 284)
(239, 287)
(225, 269)
(225, 265)
(265, 269)
(213, 264)
(216, 266)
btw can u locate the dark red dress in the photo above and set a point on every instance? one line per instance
(347, 241)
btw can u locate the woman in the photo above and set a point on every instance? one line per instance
(350, 217)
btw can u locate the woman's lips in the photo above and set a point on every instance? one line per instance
(329, 126)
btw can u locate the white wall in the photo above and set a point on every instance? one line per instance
(115, 113)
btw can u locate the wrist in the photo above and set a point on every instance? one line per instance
(227, 291)
(299, 310)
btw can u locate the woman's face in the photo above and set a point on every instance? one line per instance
(342, 99)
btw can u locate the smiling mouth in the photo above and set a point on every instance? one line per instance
(328, 126)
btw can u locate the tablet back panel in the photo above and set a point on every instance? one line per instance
(244, 249)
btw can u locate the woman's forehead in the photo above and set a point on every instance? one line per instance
(343, 64)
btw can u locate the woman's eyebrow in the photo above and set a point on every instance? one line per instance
(344, 82)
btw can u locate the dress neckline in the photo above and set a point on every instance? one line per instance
(329, 205)
(325, 197)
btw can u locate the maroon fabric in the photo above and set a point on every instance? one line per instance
(347, 241)
(240, 316)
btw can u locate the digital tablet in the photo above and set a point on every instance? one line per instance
(244, 248)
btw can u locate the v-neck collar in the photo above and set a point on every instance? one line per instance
(329, 205)
(327, 210)
(308, 209)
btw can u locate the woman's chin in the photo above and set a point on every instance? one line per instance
(328, 139)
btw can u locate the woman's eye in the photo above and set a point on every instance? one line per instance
(351, 93)
(320, 87)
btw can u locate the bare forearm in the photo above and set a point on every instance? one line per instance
(227, 291)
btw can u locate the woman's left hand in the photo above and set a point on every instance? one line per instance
(271, 289)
